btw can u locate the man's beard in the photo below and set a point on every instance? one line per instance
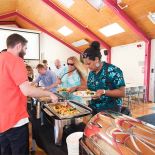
(22, 54)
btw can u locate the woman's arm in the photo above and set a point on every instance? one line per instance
(83, 86)
(120, 92)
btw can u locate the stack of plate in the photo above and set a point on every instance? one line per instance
(73, 143)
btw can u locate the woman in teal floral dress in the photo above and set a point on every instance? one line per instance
(106, 79)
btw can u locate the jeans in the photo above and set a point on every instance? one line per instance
(15, 141)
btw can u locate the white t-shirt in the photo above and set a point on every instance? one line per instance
(21, 122)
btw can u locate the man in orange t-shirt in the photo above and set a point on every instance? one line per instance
(14, 87)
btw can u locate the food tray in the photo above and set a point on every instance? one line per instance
(80, 108)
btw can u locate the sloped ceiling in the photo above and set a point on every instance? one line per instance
(38, 15)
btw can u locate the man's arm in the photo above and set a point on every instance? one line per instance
(36, 81)
(31, 91)
(58, 81)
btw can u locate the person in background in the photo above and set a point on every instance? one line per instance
(45, 63)
(58, 68)
(72, 76)
(105, 79)
(47, 77)
(14, 89)
(30, 73)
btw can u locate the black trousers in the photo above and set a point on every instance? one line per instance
(116, 108)
(15, 141)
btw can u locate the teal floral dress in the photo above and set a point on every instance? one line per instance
(108, 78)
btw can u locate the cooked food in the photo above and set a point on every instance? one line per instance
(64, 109)
(44, 99)
(62, 89)
(87, 93)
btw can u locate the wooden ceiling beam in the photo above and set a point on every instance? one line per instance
(10, 23)
(7, 15)
(45, 31)
(125, 18)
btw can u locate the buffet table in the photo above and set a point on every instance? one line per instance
(44, 108)
(106, 133)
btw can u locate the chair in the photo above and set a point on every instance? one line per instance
(142, 93)
(127, 97)
(134, 94)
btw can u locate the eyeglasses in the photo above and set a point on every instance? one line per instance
(84, 55)
(70, 64)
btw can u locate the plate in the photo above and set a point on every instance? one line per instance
(62, 90)
(84, 94)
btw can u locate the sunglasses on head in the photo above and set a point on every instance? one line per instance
(84, 55)
(69, 64)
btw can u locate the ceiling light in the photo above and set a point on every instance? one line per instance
(151, 16)
(80, 43)
(111, 30)
(97, 4)
(67, 3)
(65, 31)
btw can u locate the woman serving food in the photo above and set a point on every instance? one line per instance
(105, 79)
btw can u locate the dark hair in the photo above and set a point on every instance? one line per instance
(15, 39)
(81, 59)
(40, 66)
(29, 67)
(4, 50)
(44, 61)
(93, 51)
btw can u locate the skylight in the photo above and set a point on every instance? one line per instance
(67, 3)
(80, 43)
(111, 29)
(151, 16)
(97, 4)
(65, 31)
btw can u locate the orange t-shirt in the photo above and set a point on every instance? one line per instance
(13, 103)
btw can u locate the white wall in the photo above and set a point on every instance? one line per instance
(52, 49)
(130, 59)
(152, 76)
(104, 57)
(32, 37)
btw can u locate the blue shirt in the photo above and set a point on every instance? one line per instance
(108, 78)
(69, 81)
(47, 79)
